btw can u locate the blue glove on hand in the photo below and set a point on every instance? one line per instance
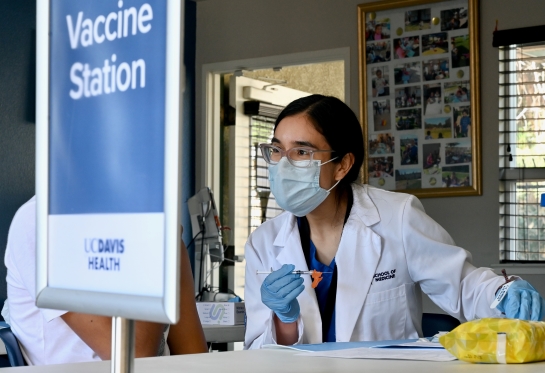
(279, 292)
(523, 302)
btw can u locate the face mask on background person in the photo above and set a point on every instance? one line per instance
(297, 189)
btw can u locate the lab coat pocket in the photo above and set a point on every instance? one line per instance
(383, 315)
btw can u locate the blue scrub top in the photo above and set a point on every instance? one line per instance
(322, 289)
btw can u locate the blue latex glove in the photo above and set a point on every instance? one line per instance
(523, 302)
(279, 292)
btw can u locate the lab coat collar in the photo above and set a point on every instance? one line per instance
(363, 206)
(289, 242)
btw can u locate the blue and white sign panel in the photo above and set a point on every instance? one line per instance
(108, 156)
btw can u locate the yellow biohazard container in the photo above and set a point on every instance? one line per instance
(501, 341)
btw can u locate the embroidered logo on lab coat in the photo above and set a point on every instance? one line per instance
(385, 275)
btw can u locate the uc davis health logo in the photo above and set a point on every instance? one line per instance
(104, 254)
(216, 312)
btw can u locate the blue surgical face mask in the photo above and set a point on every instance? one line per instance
(297, 189)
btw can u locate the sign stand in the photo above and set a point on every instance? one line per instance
(123, 332)
(108, 113)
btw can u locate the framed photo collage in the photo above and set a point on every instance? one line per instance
(419, 123)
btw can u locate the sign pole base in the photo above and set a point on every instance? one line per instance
(122, 345)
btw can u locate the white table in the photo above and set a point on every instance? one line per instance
(276, 361)
(212, 333)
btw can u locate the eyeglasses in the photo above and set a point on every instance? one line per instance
(299, 157)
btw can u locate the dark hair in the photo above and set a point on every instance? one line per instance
(337, 123)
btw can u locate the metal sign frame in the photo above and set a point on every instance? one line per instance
(159, 309)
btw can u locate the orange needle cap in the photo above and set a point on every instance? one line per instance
(316, 278)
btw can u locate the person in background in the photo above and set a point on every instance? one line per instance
(464, 95)
(406, 77)
(377, 33)
(399, 50)
(429, 160)
(454, 23)
(377, 250)
(381, 84)
(51, 336)
(464, 124)
(454, 54)
(413, 153)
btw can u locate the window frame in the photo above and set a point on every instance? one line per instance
(508, 42)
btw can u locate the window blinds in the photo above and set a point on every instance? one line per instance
(262, 203)
(521, 146)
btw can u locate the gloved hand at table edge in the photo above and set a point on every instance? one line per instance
(279, 292)
(523, 302)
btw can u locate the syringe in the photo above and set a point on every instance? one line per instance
(296, 272)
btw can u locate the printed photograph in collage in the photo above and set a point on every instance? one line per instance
(408, 119)
(381, 115)
(436, 69)
(438, 128)
(456, 92)
(435, 44)
(407, 47)
(455, 176)
(407, 73)
(462, 121)
(431, 154)
(408, 97)
(408, 149)
(454, 19)
(418, 19)
(382, 143)
(378, 51)
(381, 167)
(380, 81)
(459, 51)
(458, 152)
(377, 29)
(432, 99)
(408, 179)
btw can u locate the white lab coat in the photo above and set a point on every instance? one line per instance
(389, 251)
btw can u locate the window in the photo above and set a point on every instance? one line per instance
(262, 203)
(522, 145)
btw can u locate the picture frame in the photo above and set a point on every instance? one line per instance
(420, 96)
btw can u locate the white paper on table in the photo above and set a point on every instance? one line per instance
(386, 353)
(274, 346)
(416, 344)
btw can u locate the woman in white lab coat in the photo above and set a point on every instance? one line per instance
(378, 249)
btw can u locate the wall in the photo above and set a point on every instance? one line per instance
(17, 152)
(243, 29)
(326, 78)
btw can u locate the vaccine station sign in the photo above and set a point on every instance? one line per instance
(112, 149)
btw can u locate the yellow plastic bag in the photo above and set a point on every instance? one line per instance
(502, 341)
